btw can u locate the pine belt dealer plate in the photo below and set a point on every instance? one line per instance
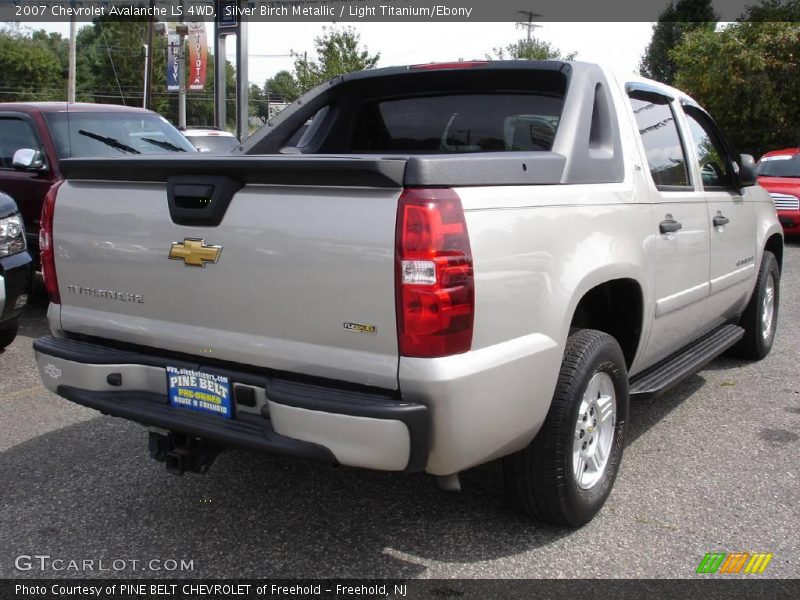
(198, 391)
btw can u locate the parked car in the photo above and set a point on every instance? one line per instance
(210, 139)
(779, 174)
(16, 269)
(36, 136)
(454, 264)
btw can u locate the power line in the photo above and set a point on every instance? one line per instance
(113, 68)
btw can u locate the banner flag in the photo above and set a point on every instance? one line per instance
(198, 56)
(173, 56)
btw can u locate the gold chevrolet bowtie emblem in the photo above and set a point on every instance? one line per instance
(194, 252)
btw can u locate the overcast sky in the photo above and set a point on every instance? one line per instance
(618, 45)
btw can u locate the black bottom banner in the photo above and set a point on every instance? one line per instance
(528, 589)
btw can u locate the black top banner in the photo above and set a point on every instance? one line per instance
(350, 11)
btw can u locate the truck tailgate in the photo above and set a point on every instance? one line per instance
(304, 280)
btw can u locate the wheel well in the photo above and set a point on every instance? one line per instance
(775, 245)
(616, 308)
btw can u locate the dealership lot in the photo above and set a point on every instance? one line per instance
(712, 466)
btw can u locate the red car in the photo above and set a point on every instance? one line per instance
(779, 174)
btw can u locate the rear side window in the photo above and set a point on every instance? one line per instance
(662, 142)
(14, 135)
(453, 123)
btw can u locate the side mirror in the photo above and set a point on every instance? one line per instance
(27, 159)
(747, 174)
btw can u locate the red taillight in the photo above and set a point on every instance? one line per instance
(461, 64)
(47, 255)
(434, 279)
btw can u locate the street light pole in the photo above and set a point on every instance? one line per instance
(182, 30)
(242, 86)
(181, 80)
(219, 79)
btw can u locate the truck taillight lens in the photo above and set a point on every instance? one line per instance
(47, 254)
(434, 278)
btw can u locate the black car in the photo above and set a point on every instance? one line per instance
(16, 269)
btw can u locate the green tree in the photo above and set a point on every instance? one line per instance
(748, 76)
(772, 10)
(112, 61)
(259, 107)
(30, 67)
(55, 43)
(676, 20)
(532, 49)
(283, 85)
(338, 52)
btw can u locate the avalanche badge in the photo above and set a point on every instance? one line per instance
(194, 252)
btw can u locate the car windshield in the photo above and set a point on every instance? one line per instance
(108, 134)
(216, 144)
(779, 166)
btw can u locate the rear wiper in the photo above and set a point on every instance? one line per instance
(163, 144)
(109, 141)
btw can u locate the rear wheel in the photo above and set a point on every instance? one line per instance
(566, 474)
(8, 331)
(760, 318)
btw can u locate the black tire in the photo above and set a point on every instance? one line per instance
(8, 331)
(541, 477)
(755, 344)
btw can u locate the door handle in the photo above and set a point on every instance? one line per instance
(719, 221)
(669, 226)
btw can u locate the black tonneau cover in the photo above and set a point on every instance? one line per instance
(486, 168)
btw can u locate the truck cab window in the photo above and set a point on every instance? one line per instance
(711, 156)
(666, 157)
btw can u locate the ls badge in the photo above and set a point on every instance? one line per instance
(194, 252)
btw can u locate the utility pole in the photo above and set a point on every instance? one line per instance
(148, 61)
(529, 24)
(146, 75)
(71, 70)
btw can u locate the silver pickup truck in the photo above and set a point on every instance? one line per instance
(417, 268)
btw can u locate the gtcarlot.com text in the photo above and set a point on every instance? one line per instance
(47, 563)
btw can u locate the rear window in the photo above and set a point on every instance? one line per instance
(98, 134)
(453, 123)
(779, 166)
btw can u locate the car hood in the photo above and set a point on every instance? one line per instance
(784, 185)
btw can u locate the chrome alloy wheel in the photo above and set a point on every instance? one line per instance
(768, 307)
(594, 430)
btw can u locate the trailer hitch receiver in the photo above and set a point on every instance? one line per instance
(182, 452)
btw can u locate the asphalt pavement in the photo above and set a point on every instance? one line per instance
(711, 466)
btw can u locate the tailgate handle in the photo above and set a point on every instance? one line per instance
(192, 196)
(200, 200)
